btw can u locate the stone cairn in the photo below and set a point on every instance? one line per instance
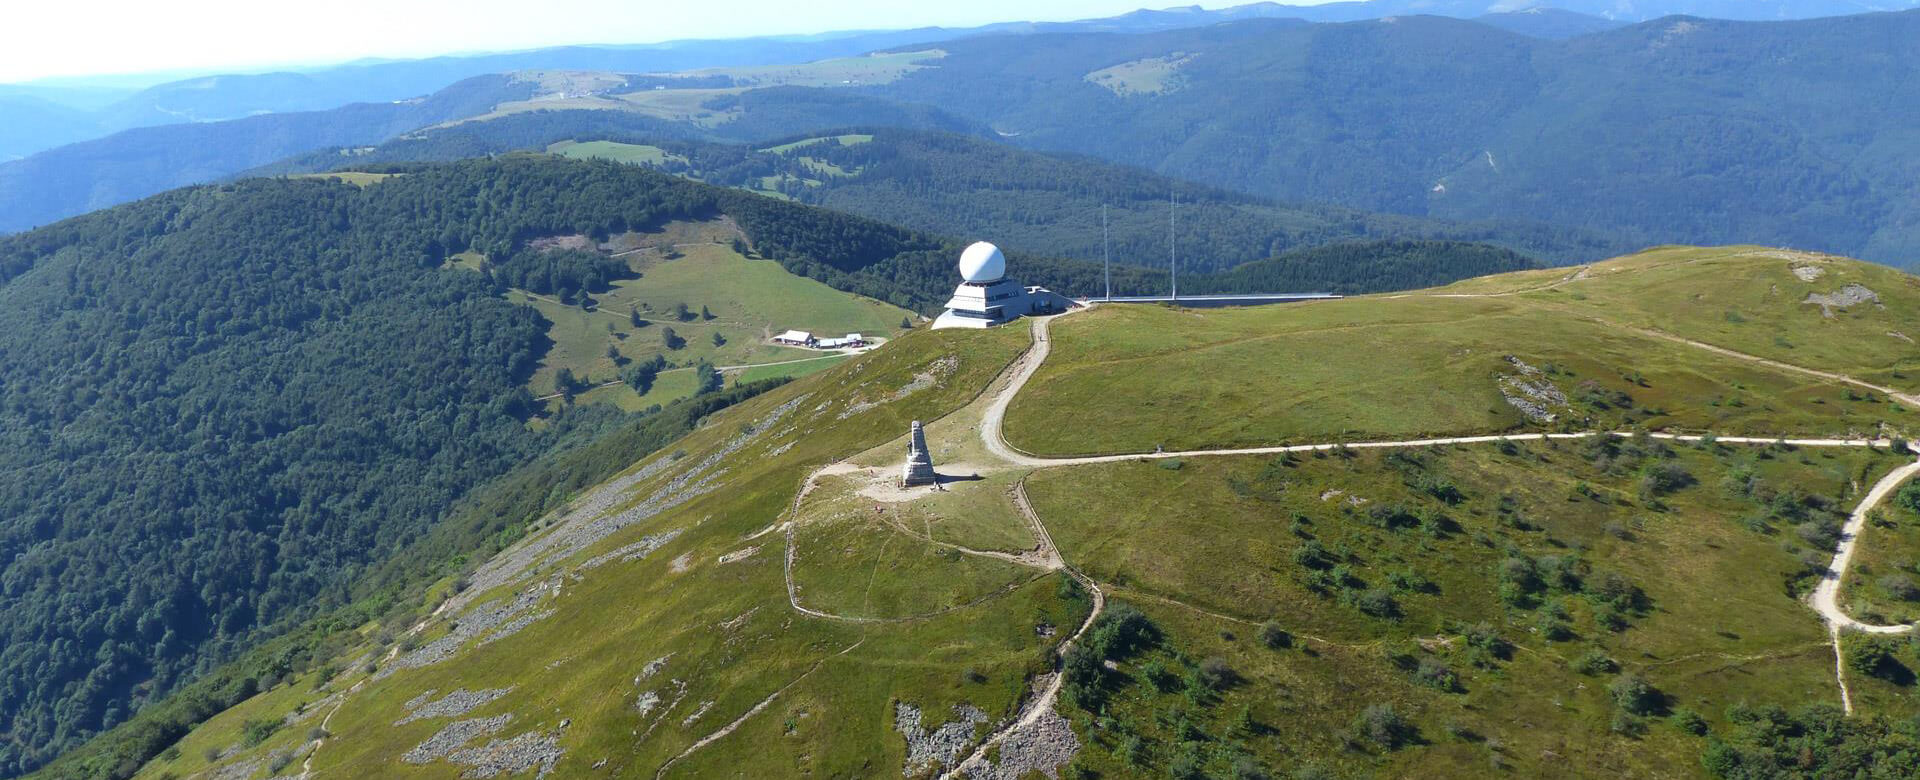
(919, 468)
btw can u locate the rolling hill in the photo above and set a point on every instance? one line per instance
(965, 185)
(81, 177)
(1613, 599)
(1678, 130)
(226, 404)
(364, 372)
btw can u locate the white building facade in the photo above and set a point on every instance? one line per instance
(986, 297)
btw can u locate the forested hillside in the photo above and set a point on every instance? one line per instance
(223, 404)
(1627, 598)
(965, 186)
(1677, 130)
(95, 174)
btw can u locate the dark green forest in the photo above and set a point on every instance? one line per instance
(225, 410)
(971, 187)
(80, 177)
(1678, 130)
(220, 406)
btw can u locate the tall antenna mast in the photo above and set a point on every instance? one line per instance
(1106, 251)
(1173, 262)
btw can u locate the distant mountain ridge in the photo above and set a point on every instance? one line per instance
(1704, 140)
(1681, 130)
(964, 185)
(232, 96)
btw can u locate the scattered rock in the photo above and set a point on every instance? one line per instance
(1042, 746)
(511, 756)
(738, 555)
(475, 623)
(1531, 392)
(1331, 493)
(452, 736)
(941, 747)
(738, 620)
(1524, 368)
(460, 702)
(652, 668)
(702, 710)
(238, 770)
(513, 627)
(1808, 273)
(1850, 295)
(633, 552)
(647, 701)
(681, 563)
(591, 518)
(1901, 336)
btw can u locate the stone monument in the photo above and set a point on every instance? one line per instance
(919, 468)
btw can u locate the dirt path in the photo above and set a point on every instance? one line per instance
(1826, 596)
(793, 517)
(306, 766)
(1039, 706)
(1904, 399)
(752, 711)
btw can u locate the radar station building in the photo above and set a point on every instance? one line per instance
(986, 297)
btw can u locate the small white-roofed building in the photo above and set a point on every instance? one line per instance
(798, 338)
(852, 340)
(986, 297)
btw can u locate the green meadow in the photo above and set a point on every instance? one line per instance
(1418, 365)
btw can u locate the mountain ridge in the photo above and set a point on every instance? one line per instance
(690, 600)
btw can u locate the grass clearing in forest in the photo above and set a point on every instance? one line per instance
(638, 154)
(748, 300)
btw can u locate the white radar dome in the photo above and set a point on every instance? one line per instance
(982, 262)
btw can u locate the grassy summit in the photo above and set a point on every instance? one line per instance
(1129, 378)
(762, 598)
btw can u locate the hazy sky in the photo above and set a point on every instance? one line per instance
(86, 37)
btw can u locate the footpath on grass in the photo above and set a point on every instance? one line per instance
(1825, 599)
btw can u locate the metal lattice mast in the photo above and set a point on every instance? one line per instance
(1173, 260)
(1106, 251)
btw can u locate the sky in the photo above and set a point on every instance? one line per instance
(93, 37)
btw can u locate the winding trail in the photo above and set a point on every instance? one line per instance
(751, 711)
(1037, 708)
(1826, 596)
(1824, 600)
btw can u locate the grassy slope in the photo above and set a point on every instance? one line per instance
(617, 152)
(1219, 534)
(750, 300)
(1888, 549)
(1205, 547)
(1413, 365)
(580, 664)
